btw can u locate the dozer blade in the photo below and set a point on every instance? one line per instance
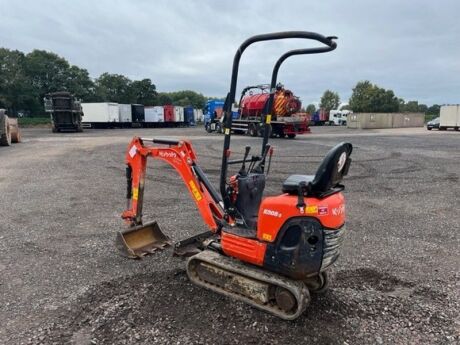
(141, 240)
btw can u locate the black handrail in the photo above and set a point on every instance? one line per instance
(271, 98)
(230, 99)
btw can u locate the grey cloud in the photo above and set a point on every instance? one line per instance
(408, 46)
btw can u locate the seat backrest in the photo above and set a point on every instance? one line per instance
(251, 188)
(332, 170)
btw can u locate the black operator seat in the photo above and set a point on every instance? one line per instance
(327, 179)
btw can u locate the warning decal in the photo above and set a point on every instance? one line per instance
(196, 193)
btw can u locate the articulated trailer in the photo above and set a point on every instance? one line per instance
(283, 127)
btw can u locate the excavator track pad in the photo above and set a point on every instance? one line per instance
(141, 240)
(264, 290)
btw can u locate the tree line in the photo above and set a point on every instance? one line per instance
(26, 78)
(370, 98)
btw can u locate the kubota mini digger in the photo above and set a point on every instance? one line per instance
(268, 252)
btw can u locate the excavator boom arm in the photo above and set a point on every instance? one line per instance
(181, 156)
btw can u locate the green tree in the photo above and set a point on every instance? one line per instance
(113, 88)
(422, 108)
(188, 97)
(143, 92)
(79, 83)
(311, 108)
(367, 97)
(410, 107)
(330, 100)
(47, 71)
(16, 90)
(434, 109)
(164, 99)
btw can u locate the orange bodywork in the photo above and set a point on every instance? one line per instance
(273, 213)
(276, 210)
(245, 249)
(182, 158)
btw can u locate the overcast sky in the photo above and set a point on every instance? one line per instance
(411, 47)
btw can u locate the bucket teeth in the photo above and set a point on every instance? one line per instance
(141, 240)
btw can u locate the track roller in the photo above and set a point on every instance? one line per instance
(270, 292)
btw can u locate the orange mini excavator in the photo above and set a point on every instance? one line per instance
(268, 252)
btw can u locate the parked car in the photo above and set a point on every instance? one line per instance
(433, 124)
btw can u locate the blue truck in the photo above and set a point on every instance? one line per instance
(212, 113)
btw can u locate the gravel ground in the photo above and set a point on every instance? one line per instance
(61, 196)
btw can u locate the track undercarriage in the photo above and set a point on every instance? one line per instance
(267, 291)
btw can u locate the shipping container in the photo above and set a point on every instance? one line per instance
(189, 117)
(178, 114)
(124, 113)
(385, 120)
(168, 113)
(154, 114)
(449, 117)
(100, 114)
(137, 113)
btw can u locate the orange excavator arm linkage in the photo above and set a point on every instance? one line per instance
(181, 156)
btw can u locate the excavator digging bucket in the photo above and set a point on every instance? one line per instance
(141, 240)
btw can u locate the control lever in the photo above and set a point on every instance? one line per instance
(259, 168)
(243, 167)
(270, 154)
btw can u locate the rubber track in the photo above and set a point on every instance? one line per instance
(297, 288)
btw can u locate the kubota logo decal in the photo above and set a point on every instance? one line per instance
(338, 211)
(167, 154)
(272, 213)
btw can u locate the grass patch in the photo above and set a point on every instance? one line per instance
(34, 121)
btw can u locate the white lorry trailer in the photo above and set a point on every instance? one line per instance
(124, 114)
(153, 116)
(100, 115)
(338, 117)
(449, 117)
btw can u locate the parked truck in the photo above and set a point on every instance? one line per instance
(284, 121)
(212, 115)
(9, 129)
(65, 111)
(319, 118)
(449, 117)
(338, 117)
